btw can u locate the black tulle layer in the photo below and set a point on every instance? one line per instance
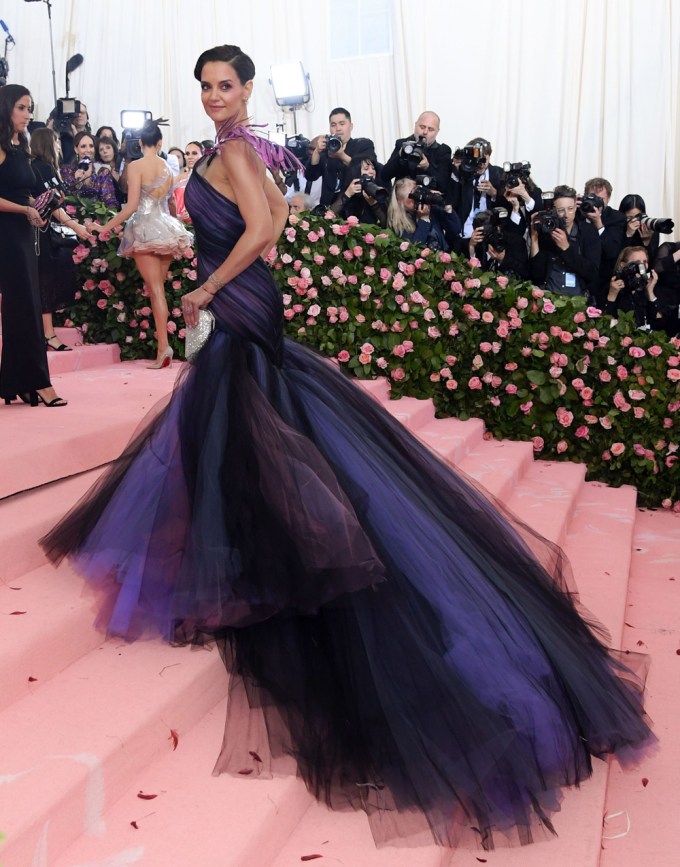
(416, 652)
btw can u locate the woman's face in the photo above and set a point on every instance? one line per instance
(407, 204)
(22, 113)
(222, 94)
(105, 152)
(367, 168)
(637, 256)
(106, 132)
(85, 147)
(192, 153)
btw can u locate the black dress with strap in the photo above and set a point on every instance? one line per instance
(23, 366)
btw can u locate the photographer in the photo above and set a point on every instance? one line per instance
(362, 197)
(520, 196)
(632, 288)
(334, 153)
(474, 183)
(639, 232)
(81, 180)
(420, 154)
(667, 266)
(418, 214)
(500, 251)
(565, 254)
(610, 225)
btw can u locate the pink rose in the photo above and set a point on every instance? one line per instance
(314, 310)
(637, 352)
(102, 303)
(397, 374)
(548, 306)
(172, 327)
(561, 447)
(555, 372)
(511, 388)
(604, 376)
(502, 281)
(503, 329)
(334, 250)
(655, 351)
(538, 443)
(564, 417)
(674, 374)
(451, 384)
(526, 407)
(433, 332)
(636, 394)
(368, 348)
(474, 263)
(343, 356)
(638, 412)
(381, 362)
(364, 358)
(474, 383)
(582, 432)
(586, 393)
(617, 449)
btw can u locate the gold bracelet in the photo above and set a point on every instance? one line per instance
(212, 279)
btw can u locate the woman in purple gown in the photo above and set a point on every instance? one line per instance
(406, 646)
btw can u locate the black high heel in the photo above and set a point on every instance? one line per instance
(57, 401)
(29, 397)
(60, 347)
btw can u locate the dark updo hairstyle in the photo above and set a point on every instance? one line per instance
(150, 134)
(232, 54)
(10, 94)
(632, 200)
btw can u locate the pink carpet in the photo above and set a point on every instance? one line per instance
(106, 749)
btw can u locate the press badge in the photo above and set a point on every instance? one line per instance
(569, 280)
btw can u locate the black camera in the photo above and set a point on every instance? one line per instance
(298, 145)
(635, 276)
(132, 121)
(472, 158)
(662, 225)
(333, 144)
(492, 234)
(546, 222)
(412, 152)
(421, 195)
(590, 203)
(64, 114)
(516, 173)
(372, 189)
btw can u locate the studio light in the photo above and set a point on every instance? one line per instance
(291, 84)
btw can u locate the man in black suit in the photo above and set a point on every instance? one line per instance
(435, 160)
(329, 163)
(499, 251)
(475, 184)
(611, 227)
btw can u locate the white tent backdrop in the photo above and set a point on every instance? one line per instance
(579, 88)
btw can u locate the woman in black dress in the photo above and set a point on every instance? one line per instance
(23, 367)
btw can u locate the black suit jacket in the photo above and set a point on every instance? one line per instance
(611, 243)
(438, 155)
(582, 258)
(332, 170)
(462, 192)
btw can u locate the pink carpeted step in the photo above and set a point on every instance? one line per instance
(641, 809)
(106, 405)
(545, 495)
(450, 438)
(48, 619)
(83, 358)
(498, 465)
(197, 819)
(26, 516)
(74, 746)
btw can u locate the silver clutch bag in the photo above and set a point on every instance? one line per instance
(197, 337)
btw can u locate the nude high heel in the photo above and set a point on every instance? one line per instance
(164, 360)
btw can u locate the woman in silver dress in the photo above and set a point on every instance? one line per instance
(152, 237)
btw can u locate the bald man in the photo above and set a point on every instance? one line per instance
(430, 157)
